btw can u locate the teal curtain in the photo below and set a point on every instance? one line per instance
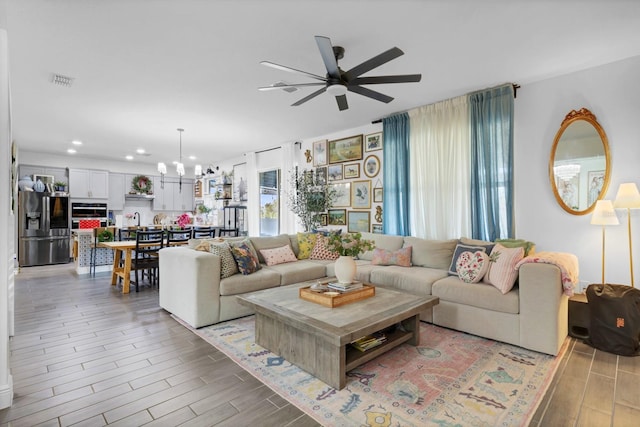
(395, 213)
(491, 118)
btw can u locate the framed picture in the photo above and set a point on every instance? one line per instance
(321, 176)
(361, 194)
(358, 222)
(343, 195)
(352, 170)
(320, 153)
(595, 180)
(371, 166)
(211, 187)
(345, 150)
(337, 217)
(324, 220)
(376, 228)
(335, 172)
(378, 195)
(569, 191)
(373, 142)
(240, 182)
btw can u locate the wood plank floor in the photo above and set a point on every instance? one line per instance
(86, 355)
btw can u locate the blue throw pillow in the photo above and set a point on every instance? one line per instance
(247, 262)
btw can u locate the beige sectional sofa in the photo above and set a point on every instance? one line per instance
(532, 315)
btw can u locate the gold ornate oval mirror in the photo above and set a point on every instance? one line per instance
(579, 167)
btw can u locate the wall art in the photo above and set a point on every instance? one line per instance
(346, 149)
(343, 195)
(337, 217)
(371, 166)
(335, 172)
(373, 142)
(351, 170)
(358, 222)
(320, 153)
(361, 194)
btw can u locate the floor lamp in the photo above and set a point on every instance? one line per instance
(628, 198)
(603, 214)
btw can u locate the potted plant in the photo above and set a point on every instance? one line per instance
(308, 198)
(59, 185)
(348, 246)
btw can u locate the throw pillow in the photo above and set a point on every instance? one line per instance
(278, 255)
(401, 257)
(228, 266)
(306, 242)
(529, 247)
(246, 261)
(502, 270)
(460, 248)
(472, 266)
(248, 244)
(321, 251)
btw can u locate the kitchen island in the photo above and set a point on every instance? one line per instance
(83, 242)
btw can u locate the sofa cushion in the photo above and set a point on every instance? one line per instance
(306, 242)
(460, 248)
(431, 253)
(401, 257)
(321, 250)
(415, 280)
(236, 241)
(228, 266)
(299, 271)
(247, 262)
(480, 295)
(239, 284)
(277, 256)
(529, 247)
(382, 241)
(472, 266)
(269, 242)
(502, 271)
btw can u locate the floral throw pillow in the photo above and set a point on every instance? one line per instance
(247, 262)
(277, 256)
(306, 242)
(401, 257)
(472, 266)
(321, 251)
(248, 244)
(228, 266)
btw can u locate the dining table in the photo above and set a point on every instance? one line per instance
(123, 250)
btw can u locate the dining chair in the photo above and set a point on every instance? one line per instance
(127, 233)
(178, 237)
(203, 232)
(228, 232)
(146, 258)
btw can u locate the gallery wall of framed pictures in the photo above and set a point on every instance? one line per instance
(352, 166)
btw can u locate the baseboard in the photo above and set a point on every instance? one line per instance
(6, 394)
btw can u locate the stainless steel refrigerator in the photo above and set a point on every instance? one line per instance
(43, 226)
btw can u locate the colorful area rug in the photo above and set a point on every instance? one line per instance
(451, 379)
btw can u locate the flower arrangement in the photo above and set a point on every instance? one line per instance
(349, 244)
(184, 220)
(129, 215)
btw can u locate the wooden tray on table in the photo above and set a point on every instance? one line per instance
(335, 298)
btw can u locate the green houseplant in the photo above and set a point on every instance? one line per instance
(348, 246)
(308, 198)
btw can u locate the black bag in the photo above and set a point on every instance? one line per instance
(615, 318)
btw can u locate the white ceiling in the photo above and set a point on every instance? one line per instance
(143, 68)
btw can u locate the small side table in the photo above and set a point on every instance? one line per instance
(579, 319)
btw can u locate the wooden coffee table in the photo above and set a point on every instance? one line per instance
(315, 337)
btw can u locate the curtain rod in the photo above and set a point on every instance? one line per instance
(515, 87)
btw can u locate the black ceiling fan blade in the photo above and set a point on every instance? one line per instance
(405, 78)
(293, 70)
(308, 97)
(374, 62)
(370, 93)
(342, 102)
(328, 57)
(295, 85)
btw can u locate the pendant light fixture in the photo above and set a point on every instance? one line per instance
(162, 168)
(180, 165)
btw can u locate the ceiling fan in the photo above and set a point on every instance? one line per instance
(337, 82)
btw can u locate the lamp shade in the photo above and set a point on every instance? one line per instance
(604, 214)
(198, 170)
(162, 168)
(627, 197)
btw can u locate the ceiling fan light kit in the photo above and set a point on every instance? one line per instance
(337, 82)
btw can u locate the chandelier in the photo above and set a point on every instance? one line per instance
(566, 172)
(162, 167)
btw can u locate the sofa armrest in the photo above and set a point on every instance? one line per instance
(543, 308)
(190, 285)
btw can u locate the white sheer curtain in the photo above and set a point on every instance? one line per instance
(253, 196)
(439, 163)
(288, 220)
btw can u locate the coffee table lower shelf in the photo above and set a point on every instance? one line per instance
(356, 357)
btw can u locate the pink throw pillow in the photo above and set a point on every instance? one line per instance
(472, 266)
(401, 257)
(502, 270)
(321, 251)
(277, 256)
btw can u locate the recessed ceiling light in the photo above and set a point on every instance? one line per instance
(175, 162)
(140, 151)
(192, 157)
(129, 157)
(76, 142)
(71, 151)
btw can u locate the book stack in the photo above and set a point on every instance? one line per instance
(370, 341)
(345, 287)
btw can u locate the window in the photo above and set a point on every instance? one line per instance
(270, 203)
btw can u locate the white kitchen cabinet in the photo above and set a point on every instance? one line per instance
(183, 200)
(117, 190)
(170, 198)
(88, 184)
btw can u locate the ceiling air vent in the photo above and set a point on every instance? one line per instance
(60, 80)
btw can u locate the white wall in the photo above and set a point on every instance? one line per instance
(612, 93)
